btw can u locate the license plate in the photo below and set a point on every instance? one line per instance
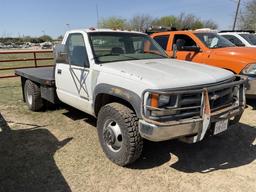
(220, 126)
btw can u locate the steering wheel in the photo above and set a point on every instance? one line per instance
(138, 50)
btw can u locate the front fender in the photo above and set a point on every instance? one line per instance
(127, 95)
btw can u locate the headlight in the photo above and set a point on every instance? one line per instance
(165, 102)
(249, 70)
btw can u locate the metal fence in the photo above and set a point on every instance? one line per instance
(34, 57)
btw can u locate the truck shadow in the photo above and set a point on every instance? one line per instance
(76, 115)
(231, 149)
(27, 162)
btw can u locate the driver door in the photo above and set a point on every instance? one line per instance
(185, 40)
(72, 77)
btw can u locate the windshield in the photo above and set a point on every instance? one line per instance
(213, 40)
(251, 38)
(121, 46)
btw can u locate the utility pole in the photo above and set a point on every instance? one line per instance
(237, 10)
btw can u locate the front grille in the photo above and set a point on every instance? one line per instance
(218, 99)
(190, 102)
(221, 98)
(186, 101)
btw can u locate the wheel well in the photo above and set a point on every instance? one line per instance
(104, 99)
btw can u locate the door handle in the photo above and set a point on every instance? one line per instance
(59, 71)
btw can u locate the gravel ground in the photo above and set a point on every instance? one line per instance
(58, 150)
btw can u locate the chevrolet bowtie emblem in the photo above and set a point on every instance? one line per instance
(215, 97)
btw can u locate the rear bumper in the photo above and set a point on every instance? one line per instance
(196, 127)
(251, 88)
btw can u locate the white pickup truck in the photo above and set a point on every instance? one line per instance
(136, 92)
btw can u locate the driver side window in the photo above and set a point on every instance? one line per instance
(76, 49)
(183, 41)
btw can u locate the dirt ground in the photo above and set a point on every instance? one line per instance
(58, 150)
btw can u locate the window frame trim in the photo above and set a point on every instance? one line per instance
(84, 44)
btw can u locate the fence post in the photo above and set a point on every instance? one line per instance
(35, 59)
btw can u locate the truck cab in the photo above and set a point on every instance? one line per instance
(127, 81)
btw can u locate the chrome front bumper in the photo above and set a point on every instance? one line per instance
(194, 127)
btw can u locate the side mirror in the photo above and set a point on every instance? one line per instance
(60, 54)
(174, 50)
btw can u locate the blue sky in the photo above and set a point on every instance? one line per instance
(36, 17)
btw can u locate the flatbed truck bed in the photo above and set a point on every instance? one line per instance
(44, 77)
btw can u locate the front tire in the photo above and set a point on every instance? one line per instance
(33, 96)
(118, 134)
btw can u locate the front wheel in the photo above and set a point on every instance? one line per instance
(118, 134)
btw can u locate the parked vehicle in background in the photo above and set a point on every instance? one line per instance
(240, 38)
(207, 47)
(46, 45)
(126, 80)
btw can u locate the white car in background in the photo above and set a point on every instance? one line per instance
(240, 38)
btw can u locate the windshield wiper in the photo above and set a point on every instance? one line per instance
(154, 53)
(109, 54)
(122, 55)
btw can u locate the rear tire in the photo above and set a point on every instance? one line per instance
(33, 96)
(118, 134)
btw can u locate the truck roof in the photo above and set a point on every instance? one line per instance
(186, 32)
(93, 30)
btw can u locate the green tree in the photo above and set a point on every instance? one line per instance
(166, 21)
(113, 23)
(247, 16)
(210, 24)
(184, 21)
(140, 22)
(44, 38)
(27, 39)
(60, 38)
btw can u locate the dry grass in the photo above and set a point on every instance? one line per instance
(58, 150)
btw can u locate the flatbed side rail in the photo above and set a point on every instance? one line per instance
(34, 58)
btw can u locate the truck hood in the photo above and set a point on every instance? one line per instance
(240, 52)
(167, 73)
